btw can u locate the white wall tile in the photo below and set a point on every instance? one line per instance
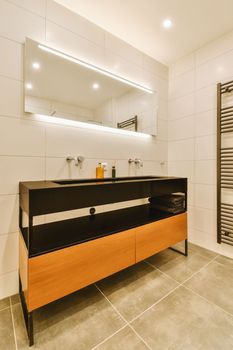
(205, 196)
(203, 220)
(182, 66)
(206, 99)
(181, 150)
(206, 123)
(205, 147)
(9, 206)
(182, 168)
(16, 23)
(191, 194)
(64, 17)
(205, 172)
(11, 59)
(20, 137)
(11, 102)
(211, 64)
(123, 49)
(215, 71)
(9, 253)
(162, 129)
(181, 107)
(214, 49)
(36, 6)
(155, 67)
(182, 85)
(179, 129)
(9, 284)
(16, 169)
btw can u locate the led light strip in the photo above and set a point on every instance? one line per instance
(75, 123)
(93, 67)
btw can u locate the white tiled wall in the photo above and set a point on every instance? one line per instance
(192, 133)
(32, 150)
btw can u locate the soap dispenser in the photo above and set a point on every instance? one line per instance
(100, 171)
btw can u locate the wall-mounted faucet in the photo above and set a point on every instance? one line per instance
(136, 161)
(78, 161)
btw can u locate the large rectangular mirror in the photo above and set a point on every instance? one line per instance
(59, 85)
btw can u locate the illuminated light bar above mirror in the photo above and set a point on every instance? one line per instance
(75, 123)
(94, 68)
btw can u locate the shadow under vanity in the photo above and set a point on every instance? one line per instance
(61, 257)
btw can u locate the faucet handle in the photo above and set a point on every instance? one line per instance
(69, 158)
(138, 162)
(79, 161)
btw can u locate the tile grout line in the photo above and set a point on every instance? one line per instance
(157, 268)
(157, 302)
(178, 286)
(209, 301)
(189, 289)
(13, 324)
(109, 337)
(202, 268)
(7, 307)
(123, 318)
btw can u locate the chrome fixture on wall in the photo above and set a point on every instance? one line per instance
(78, 161)
(136, 161)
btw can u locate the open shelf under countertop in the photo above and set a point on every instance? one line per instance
(56, 235)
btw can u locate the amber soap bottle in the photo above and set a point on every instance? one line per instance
(100, 171)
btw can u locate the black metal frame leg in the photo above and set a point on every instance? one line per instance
(185, 253)
(28, 316)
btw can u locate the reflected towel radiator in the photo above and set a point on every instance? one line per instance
(224, 165)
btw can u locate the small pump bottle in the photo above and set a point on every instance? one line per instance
(99, 171)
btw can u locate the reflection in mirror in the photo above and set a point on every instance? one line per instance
(59, 85)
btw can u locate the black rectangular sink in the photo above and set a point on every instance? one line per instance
(108, 179)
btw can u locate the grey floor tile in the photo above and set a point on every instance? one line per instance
(215, 282)
(15, 299)
(7, 341)
(185, 321)
(224, 261)
(126, 339)
(135, 289)
(79, 321)
(184, 267)
(4, 303)
(163, 257)
(202, 251)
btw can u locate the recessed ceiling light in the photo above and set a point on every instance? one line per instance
(95, 86)
(35, 65)
(29, 86)
(167, 23)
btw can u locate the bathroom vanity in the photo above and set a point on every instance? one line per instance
(61, 257)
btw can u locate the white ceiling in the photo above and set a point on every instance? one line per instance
(139, 22)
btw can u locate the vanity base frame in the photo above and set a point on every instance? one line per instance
(28, 316)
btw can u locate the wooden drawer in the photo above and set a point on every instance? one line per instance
(59, 273)
(157, 236)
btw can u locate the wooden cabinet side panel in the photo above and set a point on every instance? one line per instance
(23, 266)
(59, 273)
(157, 236)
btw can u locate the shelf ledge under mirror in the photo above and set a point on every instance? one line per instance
(59, 86)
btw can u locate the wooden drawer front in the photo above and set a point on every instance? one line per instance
(23, 266)
(56, 274)
(159, 235)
